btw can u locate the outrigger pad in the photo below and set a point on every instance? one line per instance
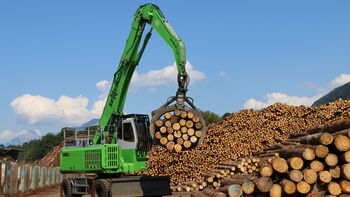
(141, 186)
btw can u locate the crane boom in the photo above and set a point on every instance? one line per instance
(146, 14)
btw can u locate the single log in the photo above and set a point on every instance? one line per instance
(183, 129)
(198, 133)
(234, 191)
(317, 166)
(326, 139)
(177, 134)
(198, 125)
(177, 112)
(176, 126)
(170, 130)
(157, 135)
(342, 142)
(187, 144)
(190, 115)
(288, 186)
(170, 146)
(295, 163)
(321, 151)
(158, 123)
(280, 165)
(178, 147)
(266, 170)
(183, 114)
(263, 184)
(163, 140)
(182, 122)
(210, 179)
(314, 139)
(276, 190)
(303, 187)
(334, 188)
(309, 154)
(331, 159)
(174, 119)
(185, 137)
(168, 123)
(189, 124)
(325, 176)
(193, 139)
(310, 176)
(167, 115)
(195, 119)
(170, 137)
(248, 187)
(345, 171)
(190, 131)
(162, 129)
(346, 156)
(296, 175)
(335, 172)
(231, 190)
(345, 186)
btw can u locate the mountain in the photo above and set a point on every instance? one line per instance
(24, 136)
(90, 123)
(341, 92)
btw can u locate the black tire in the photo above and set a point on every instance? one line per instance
(101, 188)
(66, 188)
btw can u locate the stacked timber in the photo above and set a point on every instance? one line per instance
(312, 163)
(241, 135)
(178, 130)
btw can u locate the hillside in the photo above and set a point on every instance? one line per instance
(342, 92)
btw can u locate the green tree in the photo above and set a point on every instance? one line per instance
(226, 115)
(211, 117)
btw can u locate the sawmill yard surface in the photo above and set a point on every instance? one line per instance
(241, 135)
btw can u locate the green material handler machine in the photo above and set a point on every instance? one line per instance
(119, 143)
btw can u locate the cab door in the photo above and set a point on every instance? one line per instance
(128, 139)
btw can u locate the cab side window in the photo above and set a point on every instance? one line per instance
(128, 133)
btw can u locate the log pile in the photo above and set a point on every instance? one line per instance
(312, 163)
(52, 158)
(243, 134)
(178, 130)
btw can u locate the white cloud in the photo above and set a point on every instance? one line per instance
(341, 80)
(165, 76)
(35, 109)
(104, 87)
(277, 97)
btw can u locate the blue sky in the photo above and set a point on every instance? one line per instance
(245, 54)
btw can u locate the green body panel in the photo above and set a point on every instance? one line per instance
(108, 158)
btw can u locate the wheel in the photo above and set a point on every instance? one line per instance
(67, 190)
(101, 188)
